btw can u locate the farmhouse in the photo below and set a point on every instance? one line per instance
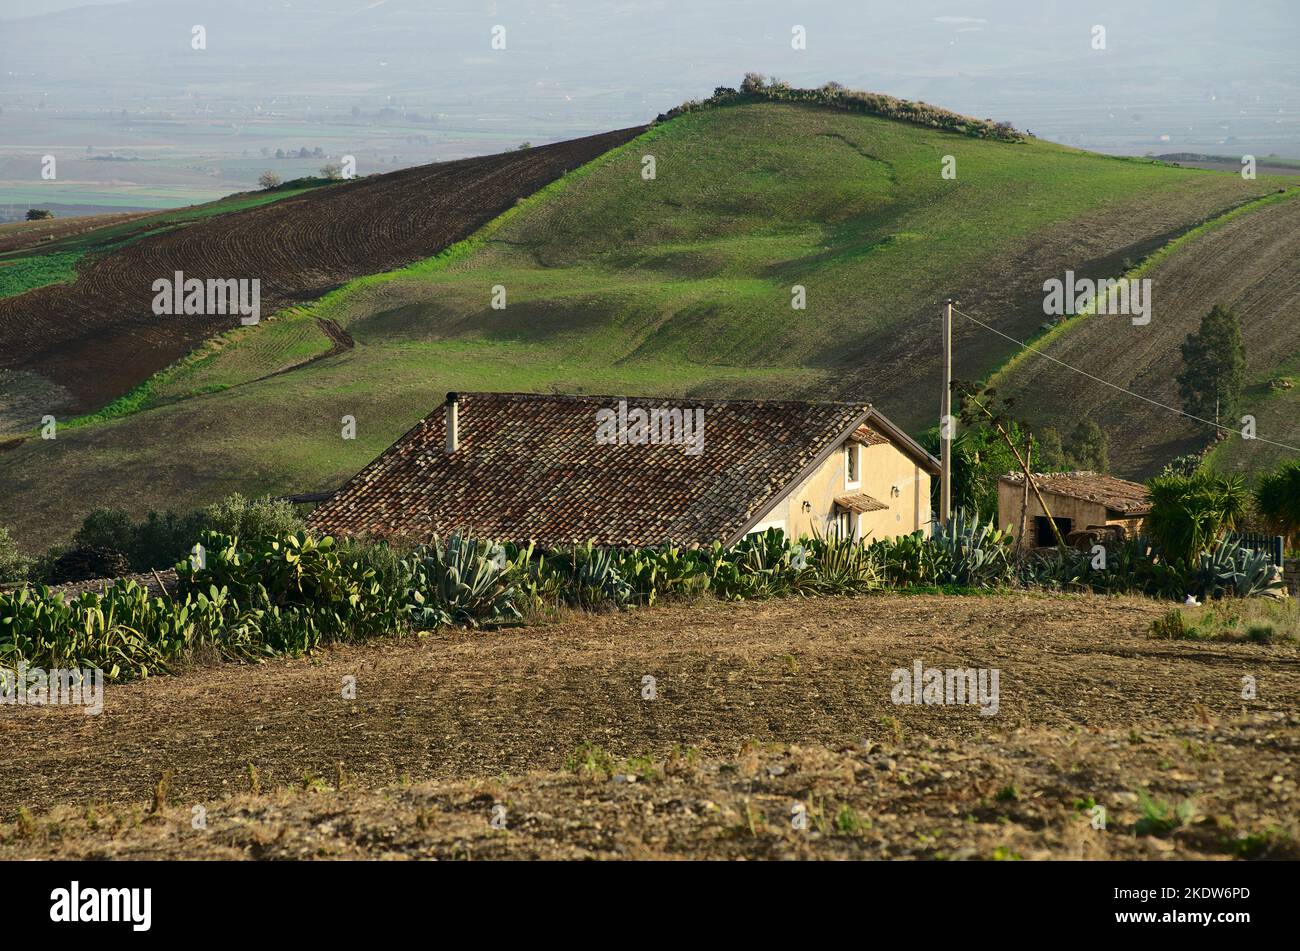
(634, 472)
(1078, 501)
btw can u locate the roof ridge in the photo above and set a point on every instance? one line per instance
(557, 397)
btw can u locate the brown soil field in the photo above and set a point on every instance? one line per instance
(1028, 796)
(758, 706)
(20, 235)
(1248, 264)
(1007, 294)
(98, 337)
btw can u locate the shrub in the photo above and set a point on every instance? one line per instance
(13, 566)
(255, 521)
(754, 86)
(268, 180)
(1260, 620)
(163, 537)
(1189, 513)
(1172, 625)
(1278, 499)
(106, 528)
(87, 563)
(1160, 818)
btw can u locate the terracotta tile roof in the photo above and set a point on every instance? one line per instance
(1118, 495)
(860, 503)
(529, 466)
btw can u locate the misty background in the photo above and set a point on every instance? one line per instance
(137, 118)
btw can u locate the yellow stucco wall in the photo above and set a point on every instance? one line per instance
(882, 470)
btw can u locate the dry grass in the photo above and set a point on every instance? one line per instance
(1171, 793)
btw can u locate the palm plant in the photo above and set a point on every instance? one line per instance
(1278, 499)
(1190, 513)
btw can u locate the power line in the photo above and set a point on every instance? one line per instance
(1114, 386)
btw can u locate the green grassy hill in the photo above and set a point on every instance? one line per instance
(616, 283)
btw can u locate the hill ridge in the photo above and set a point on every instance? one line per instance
(677, 283)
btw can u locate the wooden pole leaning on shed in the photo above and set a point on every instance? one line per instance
(1024, 467)
(1024, 500)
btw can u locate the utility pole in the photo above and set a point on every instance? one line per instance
(947, 425)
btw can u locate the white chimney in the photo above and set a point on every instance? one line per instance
(453, 422)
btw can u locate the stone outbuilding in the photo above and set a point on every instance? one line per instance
(1078, 501)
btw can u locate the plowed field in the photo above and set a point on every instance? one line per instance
(30, 234)
(1248, 264)
(98, 337)
(757, 706)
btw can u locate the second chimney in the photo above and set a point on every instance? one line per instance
(453, 422)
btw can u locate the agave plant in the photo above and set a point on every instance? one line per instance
(841, 565)
(758, 566)
(973, 553)
(1056, 570)
(1228, 569)
(463, 581)
(595, 581)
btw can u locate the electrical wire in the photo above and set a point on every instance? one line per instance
(1115, 386)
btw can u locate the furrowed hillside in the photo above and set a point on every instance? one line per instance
(95, 336)
(614, 281)
(1247, 261)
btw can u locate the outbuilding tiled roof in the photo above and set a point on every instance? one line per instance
(530, 467)
(1118, 495)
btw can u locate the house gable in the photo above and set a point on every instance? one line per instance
(890, 495)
